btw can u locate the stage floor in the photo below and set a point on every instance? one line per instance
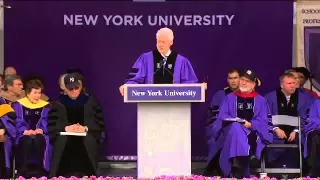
(119, 169)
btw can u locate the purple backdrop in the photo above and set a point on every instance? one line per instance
(36, 40)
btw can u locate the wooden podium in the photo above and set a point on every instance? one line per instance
(164, 126)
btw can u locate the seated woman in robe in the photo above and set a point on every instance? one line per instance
(33, 148)
(35, 76)
(75, 112)
(7, 136)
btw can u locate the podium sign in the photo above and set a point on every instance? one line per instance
(164, 126)
(164, 93)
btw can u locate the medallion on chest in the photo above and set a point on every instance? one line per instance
(247, 106)
(28, 112)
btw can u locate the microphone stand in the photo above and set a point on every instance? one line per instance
(310, 79)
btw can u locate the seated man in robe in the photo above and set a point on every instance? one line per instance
(213, 167)
(12, 89)
(287, 100)
(312, 140)
(80, 74)
(298, 79)
(33, 156)
(76, 112)
(7, 136)
(246, 128)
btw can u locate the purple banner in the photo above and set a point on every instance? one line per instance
(185, 93)
(49, 36)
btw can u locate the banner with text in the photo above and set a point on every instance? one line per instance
(308, 39)
(105, 38)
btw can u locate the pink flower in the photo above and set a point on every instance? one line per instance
(192, 177)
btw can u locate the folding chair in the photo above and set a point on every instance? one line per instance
(283, 120)
(13, 162)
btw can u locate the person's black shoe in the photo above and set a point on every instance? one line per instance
(211, 173)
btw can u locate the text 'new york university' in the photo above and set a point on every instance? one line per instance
(140, 20)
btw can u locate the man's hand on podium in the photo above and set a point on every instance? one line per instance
(121, 89)
(2, 131)
(205, 85)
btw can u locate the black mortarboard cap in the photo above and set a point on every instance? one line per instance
(304, 71)
(33, 76)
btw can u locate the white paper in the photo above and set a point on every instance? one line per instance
(72, 134)
(235, 120)
(285, 120)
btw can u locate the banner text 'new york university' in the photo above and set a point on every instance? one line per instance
(156, 20)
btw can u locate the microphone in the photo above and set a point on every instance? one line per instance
(168, 71)
(310, 79)
(161, 65)
(311, 75)
(6, 7)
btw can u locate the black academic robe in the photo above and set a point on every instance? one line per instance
(64, 112)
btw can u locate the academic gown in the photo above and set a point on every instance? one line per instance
(237, 140)
(299, 105)
(213, 125)
(7, 122)
(313, 123)
(312, 140)
(149, 68)
(32, 116)
(314, 94)
(75, 155)
(3, 101)
(312, 128)
(6, 98)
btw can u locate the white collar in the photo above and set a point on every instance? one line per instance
(288, 97)
(168, 53)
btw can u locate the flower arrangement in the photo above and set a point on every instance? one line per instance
(193, 177)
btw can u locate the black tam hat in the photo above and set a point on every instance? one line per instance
(304, 71)
(33, 76)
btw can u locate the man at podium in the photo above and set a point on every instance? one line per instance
(162, 65)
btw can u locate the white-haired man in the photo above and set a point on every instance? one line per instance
(161, 66)
(243, 127)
